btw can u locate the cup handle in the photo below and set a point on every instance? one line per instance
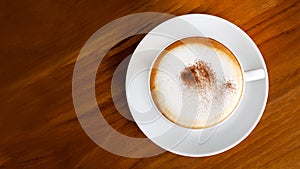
(256, 74)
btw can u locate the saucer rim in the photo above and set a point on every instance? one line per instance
(265, 94)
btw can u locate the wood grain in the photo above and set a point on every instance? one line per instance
(40, 42)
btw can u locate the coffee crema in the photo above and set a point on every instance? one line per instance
(196, 82)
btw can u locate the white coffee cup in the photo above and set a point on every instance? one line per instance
(200, 105)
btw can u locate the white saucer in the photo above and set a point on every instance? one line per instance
(200, 142)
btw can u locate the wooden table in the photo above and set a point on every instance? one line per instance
(40, 42)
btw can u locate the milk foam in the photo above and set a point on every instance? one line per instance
(190, 107)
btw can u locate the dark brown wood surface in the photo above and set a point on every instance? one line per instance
(39, 44)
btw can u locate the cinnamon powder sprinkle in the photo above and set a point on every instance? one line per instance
(198, 75)
(229, 85)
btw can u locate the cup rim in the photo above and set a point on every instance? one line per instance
(195, 128)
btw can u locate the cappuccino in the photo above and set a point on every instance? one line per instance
(196, 82)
